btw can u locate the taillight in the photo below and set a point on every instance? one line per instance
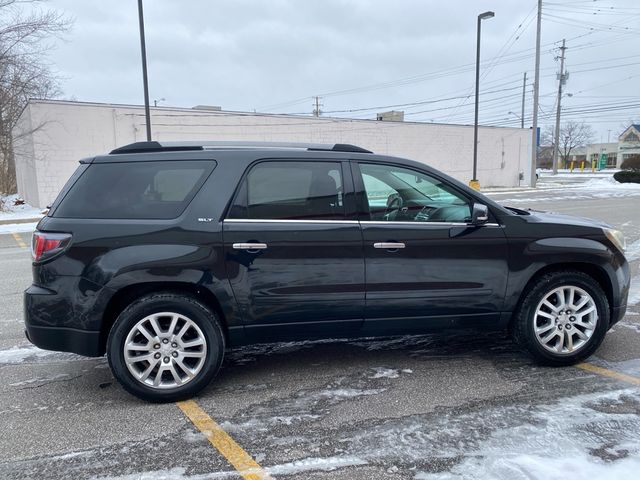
(45, 244)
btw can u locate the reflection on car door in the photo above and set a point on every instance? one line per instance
(293, 256)
(425, 265)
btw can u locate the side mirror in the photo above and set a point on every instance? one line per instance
(479, 214)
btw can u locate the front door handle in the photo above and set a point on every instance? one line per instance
(249, 246)
(389, 245)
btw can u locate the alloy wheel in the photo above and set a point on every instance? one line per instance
(165, 350)
(565, 319)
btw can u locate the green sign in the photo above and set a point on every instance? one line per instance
(603, 162)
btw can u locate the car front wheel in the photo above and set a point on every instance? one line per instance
(563, 318)
(165, 347)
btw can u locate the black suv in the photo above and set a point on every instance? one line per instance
(163, 255)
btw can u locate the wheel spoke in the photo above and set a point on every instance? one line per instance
(560, 295)
(545, 329)
(587, 311)
(192, 343)
(550, 306)
(136, 347)
(152, 364)
(581, 334)
(544, 314)
(174, 373)
(184, 368)
(569, 340)
(182, 331)
(145, 332)
(190, 354)
(156, 328)
(545, 340)
(572, 292)
(139, 358)
(583, 302)
(174, 322)
(158, 377)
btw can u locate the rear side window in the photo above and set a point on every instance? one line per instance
(135, 190)
(291, 191)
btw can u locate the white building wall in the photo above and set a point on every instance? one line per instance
(71, 131)
(26, 171)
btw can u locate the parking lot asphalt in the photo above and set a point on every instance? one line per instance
(454, 405)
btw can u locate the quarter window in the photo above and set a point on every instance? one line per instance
(135, 190)
(291, 191)
(399, 194)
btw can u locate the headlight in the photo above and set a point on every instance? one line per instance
(616, 237)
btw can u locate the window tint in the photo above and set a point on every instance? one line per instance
(291, 191)
(151, 190)
(399, 194)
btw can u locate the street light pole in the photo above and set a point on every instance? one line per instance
(143, 49)
(474, 182)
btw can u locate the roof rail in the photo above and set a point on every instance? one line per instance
(154, 146)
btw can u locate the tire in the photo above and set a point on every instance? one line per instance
(178, 363)
(540, 329)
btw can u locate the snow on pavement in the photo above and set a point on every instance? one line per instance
(634, 291)
(32, 354)
(591, 189)
(18, 227)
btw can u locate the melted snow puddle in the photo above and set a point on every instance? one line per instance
(31, 381)
(31, 354)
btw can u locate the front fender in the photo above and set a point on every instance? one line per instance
(527, 259)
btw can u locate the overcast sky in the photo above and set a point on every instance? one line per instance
(360, 56)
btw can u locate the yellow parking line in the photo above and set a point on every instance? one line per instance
(609, 373)
(19, 240)
(234, 453)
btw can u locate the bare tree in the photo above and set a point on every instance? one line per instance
(26, 31)
(572, 135)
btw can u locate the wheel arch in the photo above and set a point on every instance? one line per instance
(126, 295)
(594, 271)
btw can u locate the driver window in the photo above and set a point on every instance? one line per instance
(402, 195)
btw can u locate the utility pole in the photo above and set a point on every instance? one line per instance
(561, 82)
(316, 111)
(143, 51)
(524, 91)
(536, 93)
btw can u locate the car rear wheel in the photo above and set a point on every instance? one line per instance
(563, 318)
(165, 347)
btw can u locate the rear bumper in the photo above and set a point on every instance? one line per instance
(63, 339)
(52, 322)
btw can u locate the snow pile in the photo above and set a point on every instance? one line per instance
(11, 211)
(609, 182)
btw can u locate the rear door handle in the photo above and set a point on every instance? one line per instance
(249, 246)
(389, 245)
